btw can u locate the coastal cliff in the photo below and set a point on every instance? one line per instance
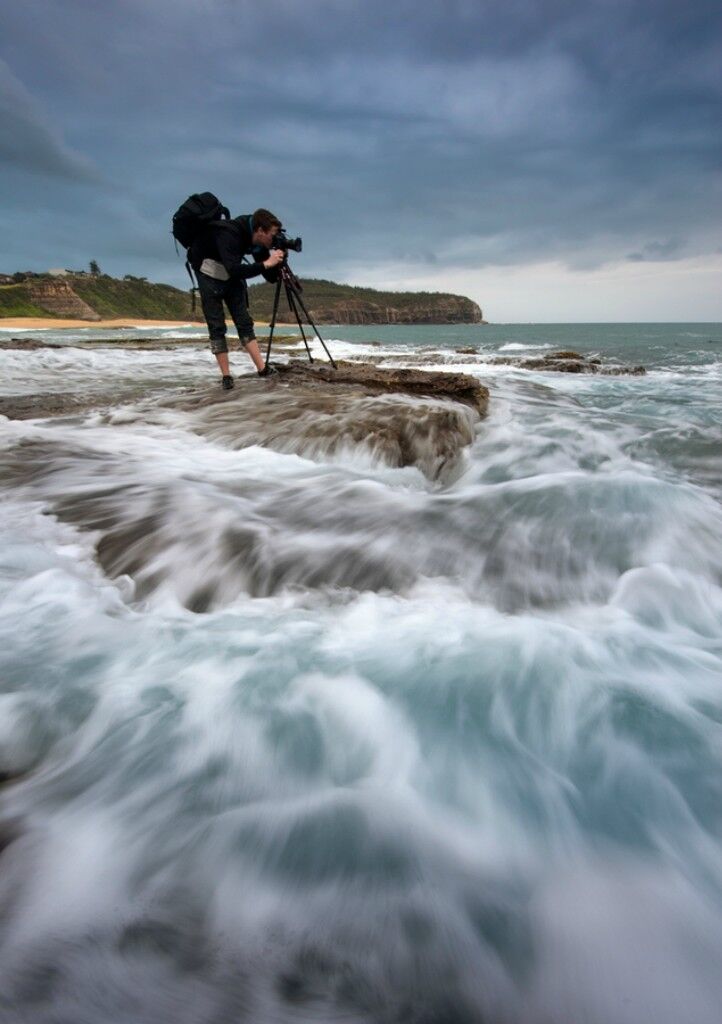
(83, 296)
(57, 297)
(331, 303)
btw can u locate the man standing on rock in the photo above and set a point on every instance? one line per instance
(217, 258)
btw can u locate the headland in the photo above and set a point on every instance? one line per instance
(72, 297)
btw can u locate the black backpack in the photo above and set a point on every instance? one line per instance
(190, 219)
(195, 214)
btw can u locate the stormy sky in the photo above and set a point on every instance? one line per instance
(554, 160)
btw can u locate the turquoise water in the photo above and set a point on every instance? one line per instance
(653, 345)
(432, 751)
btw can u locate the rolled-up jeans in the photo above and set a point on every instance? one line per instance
(213, 294)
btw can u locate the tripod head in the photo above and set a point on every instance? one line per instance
(287, 276)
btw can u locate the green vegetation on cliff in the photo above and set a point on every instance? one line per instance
(88, 297)
(329, 302)
(95, 296)
(15, 301)
(133, 296)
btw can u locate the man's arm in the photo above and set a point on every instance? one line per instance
(261, 254)
(272, 260)
(231, 255)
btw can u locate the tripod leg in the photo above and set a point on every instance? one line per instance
(300, 301)
(294, 308)
(276, 297)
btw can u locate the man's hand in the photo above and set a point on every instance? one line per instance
(277, 256)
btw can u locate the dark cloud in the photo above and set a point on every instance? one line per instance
(28, 140)
(415, 134)
(658, 251)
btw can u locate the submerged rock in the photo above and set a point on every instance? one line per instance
(23, 344)
(287, 343)
(400, 417)
(10, 830)
(567, 362)
(243, 531)
(455, 386)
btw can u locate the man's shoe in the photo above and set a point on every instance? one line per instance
(267, 370)
(227, 383)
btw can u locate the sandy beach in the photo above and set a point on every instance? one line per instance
(48, 323)
(36, 323)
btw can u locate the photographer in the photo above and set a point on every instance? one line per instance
(217, 258)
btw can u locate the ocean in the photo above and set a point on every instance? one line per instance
(433, 750)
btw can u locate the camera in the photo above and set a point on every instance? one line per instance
(281, 241)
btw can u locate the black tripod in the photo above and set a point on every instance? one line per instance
(293, 288)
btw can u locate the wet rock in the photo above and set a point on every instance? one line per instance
(9, 775)
(28, 407)
(145, 528)
(622, 371)
(567, 361)
(69, 403)
(565, 354)
(23, 344)
(457, 387)
(286, 343)
(400, 417)
(9, 831)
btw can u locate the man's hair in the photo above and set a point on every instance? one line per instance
(264, 220)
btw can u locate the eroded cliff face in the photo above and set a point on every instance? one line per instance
(59, 299)
(446, 311)
(327, 302)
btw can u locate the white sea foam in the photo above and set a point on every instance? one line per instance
(516, 346)
(460, 752)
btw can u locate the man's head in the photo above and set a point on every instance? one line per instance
(265, 226)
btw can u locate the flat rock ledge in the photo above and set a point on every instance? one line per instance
(397, 417)
(568, 362)
(457, 387)
(394, 417)
(23, 344)
(281, 342)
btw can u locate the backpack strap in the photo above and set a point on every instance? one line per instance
(194, 286)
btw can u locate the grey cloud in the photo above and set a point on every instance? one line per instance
(27, 139)
(658, 251)
(389, 133)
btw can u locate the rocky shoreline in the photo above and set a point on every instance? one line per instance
(281, 342)
(401, 417)
(567, 362)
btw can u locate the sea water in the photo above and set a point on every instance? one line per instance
(435, 751)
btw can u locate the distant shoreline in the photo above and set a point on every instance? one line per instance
(37, 323)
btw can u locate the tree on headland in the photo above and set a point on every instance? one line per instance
(95, 268)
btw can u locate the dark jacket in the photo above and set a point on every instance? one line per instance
(228, 241)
